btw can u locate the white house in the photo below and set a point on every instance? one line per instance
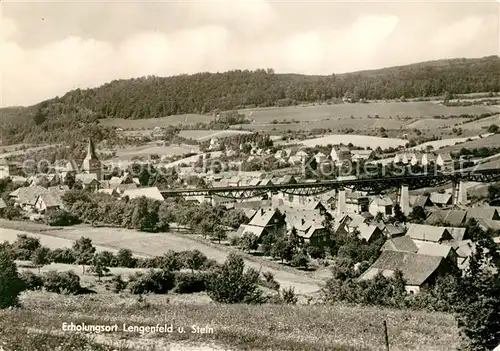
(340, 154)
(382, 205)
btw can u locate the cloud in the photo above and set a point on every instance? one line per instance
(219, 36)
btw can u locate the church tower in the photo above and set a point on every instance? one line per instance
(91, 163)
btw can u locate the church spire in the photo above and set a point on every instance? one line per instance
(91, 155)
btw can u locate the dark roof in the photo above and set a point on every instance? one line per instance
(400, 243)
(395, 229)
(482, 212)
(416, 268)
(453, 217)
(421, 201)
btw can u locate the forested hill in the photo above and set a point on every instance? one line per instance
(151, 97)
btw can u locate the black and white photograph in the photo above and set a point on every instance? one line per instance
(249, 175)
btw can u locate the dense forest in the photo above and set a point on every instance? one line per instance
(152, 97)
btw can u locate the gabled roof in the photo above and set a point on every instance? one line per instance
(51, 199)
(150, 193)
(421, 201)
(263, 216)
(314, 228)
(433, 249)
(395, 229)
(416, 268)
(247, 228)
(383, 201)
(249, 212)
(367, 231)
(428, 233)
(464, 248)
(122, 187)
(400, 243)
(482, 212)
(445, 156)
(86, 178)
(453, 217)
(28, 195)
(457, 233)
(440, 198)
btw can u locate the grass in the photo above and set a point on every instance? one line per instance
(145, 244)
(153, 148)
(491, 141)
(237, 327)
(358, 140)
(150, 123)
(202, 135)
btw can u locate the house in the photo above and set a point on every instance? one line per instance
(394, 230)
(320, 157)
(340, 154)
(315, 235)
(223, 201)
(428, 159)
(122, 187)
(358, 155)
(8, 169)
(26, 197)
(382, 205)
(421, 201)
(369, 232)
(453, 218)
(402, 158)
(400, 243)
(441, 199)
(150, 193)
(489, 213)
(419, 271)
(439, 250)
(464, 250)
(444, 161)
(49, 201)
(356, 203)
(111, 192)
(458, 233)
(421, 233)
(266, 221)
(88, 180)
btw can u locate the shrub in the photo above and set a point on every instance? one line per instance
(289, 295)
(157, 282)
(300, 260)
(25, 246)
(62, 282)
(270, 282)
(195, 260)
(234, 240)
(11, 285)
(62, 218)
(31, 280)
(124, 258)
(118, 283)
(315, 252)
(186, 283)
(66, 256)
(230, 284)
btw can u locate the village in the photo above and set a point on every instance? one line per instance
(425, 233)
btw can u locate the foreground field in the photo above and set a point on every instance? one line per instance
(143, 244)
(234, 327)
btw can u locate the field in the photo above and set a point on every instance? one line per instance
(439, 144)
(490, 141)
(153, 148)
(357, 140)
(144, 244)
(382, 109)
(234, 327)
(150, 123)
(202, 135)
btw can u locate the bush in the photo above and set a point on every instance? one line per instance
(62, 218)
(270, 282)
(124, 258)
(118, 283)
(300, 260)
(186, 283)
(62, 282)
(194, 260)
(230, 284)
(11, 285)
(289, 296)
(315, 252)
(156, 282)
(66, 256)
(31, 280)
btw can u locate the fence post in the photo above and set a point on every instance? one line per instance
(386, 335)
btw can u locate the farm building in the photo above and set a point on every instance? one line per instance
(266, 221)
(419, 271)
(48, 201)
(382, 205)
(451, 217)
(421, 233)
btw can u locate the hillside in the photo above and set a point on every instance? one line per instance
(152, 97)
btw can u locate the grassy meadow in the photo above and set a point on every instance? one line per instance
(235, 327)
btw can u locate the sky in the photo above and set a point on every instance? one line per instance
(49, 48)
